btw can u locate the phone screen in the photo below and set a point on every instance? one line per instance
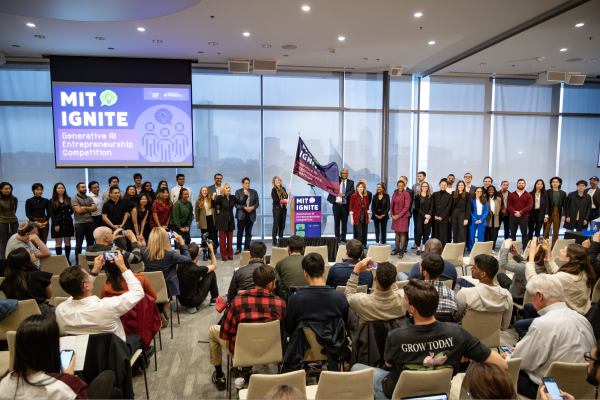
(372, 265)
(109, 256)
(552, 388)
(506, 349)
(170, 234)
(65, 358)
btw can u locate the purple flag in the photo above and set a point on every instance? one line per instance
(308, 168)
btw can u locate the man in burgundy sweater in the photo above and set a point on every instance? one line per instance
(520, 203)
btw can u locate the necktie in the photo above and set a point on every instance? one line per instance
(344, 190)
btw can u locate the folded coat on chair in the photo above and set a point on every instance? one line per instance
(331, 335)
(143, 319)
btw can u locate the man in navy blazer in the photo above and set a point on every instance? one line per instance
(245, 214)
(340, 205)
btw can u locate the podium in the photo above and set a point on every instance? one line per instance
(306, 216)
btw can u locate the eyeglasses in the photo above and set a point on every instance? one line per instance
(468, 394)
(588, 357)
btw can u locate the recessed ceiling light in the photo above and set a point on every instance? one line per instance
(15, 45)
(305, 8)
(520, 152)
(141, 29)
(341, 38)
(286, 55)
(39, 36)
(99, 38)
(31, 25)
(552, 66)
(157, 41)
(418, 15)
(111, 48)
(267, 46)
(579, 24)
(431, 42)
(482, 63)
(200, 52)
(246, 34)
(563, 49)
(289, 47)
(213, 43)
(594, 60)
(365, 59)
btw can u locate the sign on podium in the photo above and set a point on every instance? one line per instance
(306, 216)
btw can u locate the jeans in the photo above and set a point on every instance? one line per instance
(402, 276)
(378, 377)
(522, 326)
(81, 230)
(340, 217)
(244, 226)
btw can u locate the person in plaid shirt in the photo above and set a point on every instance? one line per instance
(432, 266)
(254, 305)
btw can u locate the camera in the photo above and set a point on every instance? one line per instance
(205, 241)
(512, 248)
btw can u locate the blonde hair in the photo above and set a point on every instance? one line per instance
(276, 177)
(158, 244)
(223, 188)
(205, 200)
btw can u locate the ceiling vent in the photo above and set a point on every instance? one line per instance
(575, 78)
(264, 67)
(551, 77)
(239, 66)
(395, 70)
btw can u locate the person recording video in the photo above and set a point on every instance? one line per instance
(196, 281)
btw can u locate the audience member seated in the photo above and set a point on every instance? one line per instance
(432, 266)
(257, 304)
(284, 392)
(37, 362)
(432, 246)
(84, 313)
(384, 304)
(488, 381)
(593, 246)
(290, 268)
(485, 296)
(428, 343)
(115, 284)
(105, 238)
(320, 307)
(559, 334)
(339, 273)
(26, 238)
(516, 285)
(24, 281)
(242, 279)
(196, 281)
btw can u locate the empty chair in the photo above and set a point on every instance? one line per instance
(341, 253)
(359, 289)
(54, 264)
(404, 266)
(278, 254)
(260, 384)
(380, 253)
(420, 383)
(485, 326)
(571, 378)
(25, 308)
(454, 253)
(478, 248)
(322, 250)
(343, 385)
(559, 245)
(244, 258)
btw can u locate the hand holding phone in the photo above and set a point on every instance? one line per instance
(372, 265)
(109, 256)
(67, 361)
(506, 349)
(552, 388)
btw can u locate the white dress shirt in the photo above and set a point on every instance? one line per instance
(479, 207)
(98, 202)
(559, 334)
(492, 206)
(591, 193)
(174, 195)
(343, 185)
(93, 315)
(450, 190)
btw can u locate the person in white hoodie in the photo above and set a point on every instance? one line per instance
(485, 296)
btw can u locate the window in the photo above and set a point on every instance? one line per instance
(302, 89)
(457, 94)
(222, 88)
(522, 95)
(580, 140)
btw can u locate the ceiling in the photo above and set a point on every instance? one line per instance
(384, 31)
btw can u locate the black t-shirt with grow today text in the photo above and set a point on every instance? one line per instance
(424, 347)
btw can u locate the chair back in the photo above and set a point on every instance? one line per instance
(514, 365)
(558, 246)
(359, 289)
(326, 273)
(453, 253)
(244, 258)
(526, 298)
(57, 290)
(258, 344)
(58, 300)
(314, 353)
(278, 254)
(139, 267)
(571, 378)
(11, 337)
(98, 284)
(480, 248)
(25, 308)
(595, 292)
(401, 284)
(485, 326)
(380, 253)
(260, 384)
(322, 250)
(346, 385)
(341, 253)
(448, 283)
(404, 266)
(82, 260)
(157, 280)
(2, 295)
(421, 383)
(55, 264)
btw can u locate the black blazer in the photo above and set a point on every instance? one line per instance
(370, 196)
(562, 199)
(462, 206)
(226, 215)
(385, 209)
(596, 198)
(544, 209)
(576, 204)
(276, 204)
(412, 199)
(349, 192)
(443, 204)
(424, 208)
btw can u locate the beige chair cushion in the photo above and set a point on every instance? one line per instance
(380, 253)
(157, 280)
(54, 264)
(345, 385)
(419, 383)
(485, 326)
(571, 378)
(25, 308)
(260, 384)
(258, 344)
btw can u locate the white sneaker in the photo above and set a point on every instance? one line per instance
(493, 251)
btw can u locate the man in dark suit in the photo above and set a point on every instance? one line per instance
(340, 205)
(245, 214)
(412, 200)
(505, 215)
(594, 193)
(211, 190)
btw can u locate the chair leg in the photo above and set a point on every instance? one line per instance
(171, 310)
(155, 351)
(146, 382)
(228, 378)
(159, 340)
(177, 305)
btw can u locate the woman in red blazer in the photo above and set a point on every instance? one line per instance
(359, 213)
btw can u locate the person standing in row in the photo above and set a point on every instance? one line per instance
(556, 208)
(183, 215)
(60, 211)
(225, 204)
(594, 193)
(479, 213)
(442, 207)
(161, 210)
(400, 210)
(205, 217)
(212, 189)
(469, 188)
(520, 204)
(141, 215)
(83, 206)
(380, 209)
(493, 218)
(161, 185)
(504, 213)
(280, 205)
(539, 213)
(487, 182)
(97, 199)
(359, 213)
(9, 223)
(137, 179)
(245, 214)
(424, 208)
(450, 181)
(174, 195)
(417, 189)
(131, 200)
(149, 192)
(112, 181)
(36, 209)
(578, 208)
(410, 209)
(461, 211)
(114, 214)
(340, 206)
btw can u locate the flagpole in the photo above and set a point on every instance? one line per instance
(292, 175)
